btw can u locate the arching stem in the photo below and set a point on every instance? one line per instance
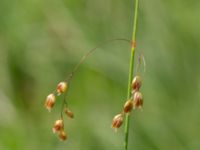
(70, 76)
(89, 53)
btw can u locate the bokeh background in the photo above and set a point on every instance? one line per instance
(40, 43)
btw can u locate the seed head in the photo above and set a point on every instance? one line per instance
(61, 87)
(50, 101)
(128, 106)
(136, 83)
(117, 121)
(58, 126)
(62, 135)
(138, 100)
(69, 113)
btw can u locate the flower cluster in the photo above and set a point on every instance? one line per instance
(136, 94)
(49, 104)
(136, 101)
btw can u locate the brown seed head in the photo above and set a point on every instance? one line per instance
(50, 101)
(62, 135)
(69, 113)
(138, 100)
(61, 87)
(58, 126)
(128, 106)
(136, 83)
(117, 121)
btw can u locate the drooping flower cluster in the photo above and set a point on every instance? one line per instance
(49, 104)
(136, 94)
(59, 128)
(135, 101)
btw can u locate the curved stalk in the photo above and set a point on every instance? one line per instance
(70, 76)
(90, 52)
(133, 46)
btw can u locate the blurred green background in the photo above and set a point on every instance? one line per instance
(40, 43)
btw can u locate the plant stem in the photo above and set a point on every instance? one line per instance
(131, 71)
(89, 53)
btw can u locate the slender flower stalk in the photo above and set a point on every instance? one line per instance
(133, 46)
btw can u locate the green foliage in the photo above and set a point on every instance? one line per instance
(41, 41)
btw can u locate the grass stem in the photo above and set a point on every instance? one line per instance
(131, 69)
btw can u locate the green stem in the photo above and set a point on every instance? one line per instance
(131, 72)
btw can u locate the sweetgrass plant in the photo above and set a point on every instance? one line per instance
(134, 96)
